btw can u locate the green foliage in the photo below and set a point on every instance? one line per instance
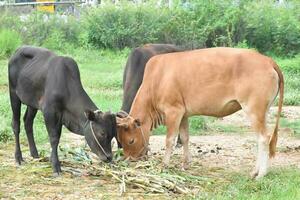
(130, 25)
(118, 27)
(264, 25)
(291, 72)
(9, 42)
(51, 31)
(272, 27)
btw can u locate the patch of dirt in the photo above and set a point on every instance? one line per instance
(235, 152)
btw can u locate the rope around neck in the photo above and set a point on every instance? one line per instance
(144, 141)
(97, 140)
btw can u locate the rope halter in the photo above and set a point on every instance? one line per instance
(100, 146)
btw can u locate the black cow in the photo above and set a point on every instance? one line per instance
(134, 72)
(44, 81)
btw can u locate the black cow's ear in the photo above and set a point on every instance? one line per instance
(90, 115)
(98, 112)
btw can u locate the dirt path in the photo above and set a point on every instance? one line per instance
(232, 151)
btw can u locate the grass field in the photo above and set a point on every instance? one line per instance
(101, 75)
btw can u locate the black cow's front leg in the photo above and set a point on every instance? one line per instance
(54, 125)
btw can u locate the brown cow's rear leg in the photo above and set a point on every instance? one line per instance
(28, 123)
(16, 110)
(54, 125)
(173, 119)
(184, 135)
(257, 114)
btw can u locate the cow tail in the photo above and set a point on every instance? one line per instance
(274, 137)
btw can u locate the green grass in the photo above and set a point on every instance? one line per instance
(101, 75)
(292, 124)
(278, 184)
(291, 72)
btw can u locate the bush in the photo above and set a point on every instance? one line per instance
(52, 31)
(267, 26)
(9, 42)
(273, 28)
(118, 27)
(130, 25)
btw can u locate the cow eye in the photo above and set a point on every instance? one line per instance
(131, 141)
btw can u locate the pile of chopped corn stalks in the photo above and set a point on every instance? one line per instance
(149, 175)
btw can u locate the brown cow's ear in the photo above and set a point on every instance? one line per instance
(90, 115)
(137, 122)
(121, 122)
(122, 114)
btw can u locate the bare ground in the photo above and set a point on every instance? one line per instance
(212, 156)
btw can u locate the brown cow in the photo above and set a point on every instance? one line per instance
(213, 82)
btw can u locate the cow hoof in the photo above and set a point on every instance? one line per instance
(185, 166)
(259, 177)
(35, 155)
(56, 174)
(254, 174)
(19, 160)
(165, 165)
(18, 163)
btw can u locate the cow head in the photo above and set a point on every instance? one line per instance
(99, 131)
(132, 137)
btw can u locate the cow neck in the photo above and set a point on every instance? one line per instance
(141, 109)
(78, 108)
(87, 104)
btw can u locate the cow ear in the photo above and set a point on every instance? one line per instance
(137, 123)
(90, 115)
(122, 114)
(121, 122)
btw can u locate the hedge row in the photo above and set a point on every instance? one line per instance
(264, 25)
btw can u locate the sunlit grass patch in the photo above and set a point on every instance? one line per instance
(280, 183)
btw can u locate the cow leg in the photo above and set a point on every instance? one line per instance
(173, 120)
(54, 126)
(179, 142)
(184, 135)
(28, 123)
(257, 114)
(16, 110)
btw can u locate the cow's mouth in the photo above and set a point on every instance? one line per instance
(141, 156)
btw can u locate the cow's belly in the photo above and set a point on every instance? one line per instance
(218, 110)
(29, 95)
(215, 101)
